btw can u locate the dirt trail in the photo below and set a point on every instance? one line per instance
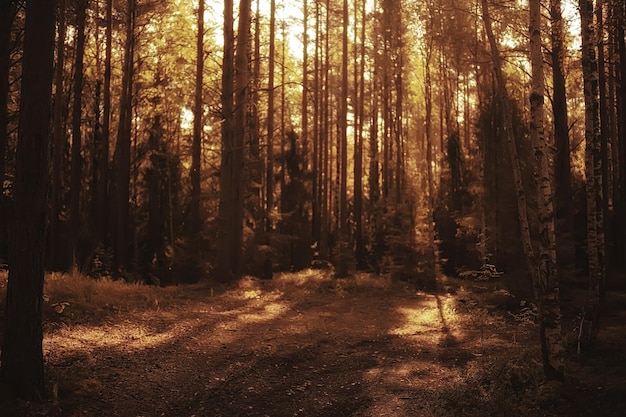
(295, 346)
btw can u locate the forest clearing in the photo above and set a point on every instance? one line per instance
(308, 344)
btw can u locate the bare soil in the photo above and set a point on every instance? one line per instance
(307, 344)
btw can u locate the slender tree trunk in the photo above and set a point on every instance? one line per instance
(326, 143)
(509, 136)
(316, 174)
(77, 113)
(593, 171)
(7, 14)
(58, 144)
(359, 109)
(102, 198)
(123, 147)
(196, 147)
(550, 310)
(604, 135)
(305, 84)
(342, 269)
(563, 188)
(22, 361)
(240, 132)
(269, 167)
(620, 24)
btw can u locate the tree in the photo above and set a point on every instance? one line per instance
(123, 146)
(269, 163)
(548, 280)
(22, 357)
(196, 147)
(342, 151)
(234, 108)
(58, 143)
(542, 269)
(593, 172)
(563, 188)
(7, 12)
(77, 112)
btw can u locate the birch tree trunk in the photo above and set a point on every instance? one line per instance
(548, 280)
(503, 97)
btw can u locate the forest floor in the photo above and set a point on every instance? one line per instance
(307, 344)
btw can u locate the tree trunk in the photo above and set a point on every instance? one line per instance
(620, 24)
(58, 146)
(77, 112)
(196, 147)
(269, 167)
(103, 206)
(234, 107)
(548, 284)
(563, 188)
(593, 172)
(7, 14)
(507, 122)
(342, 267)
(359, 110)
(22, 356)
(604, 135)
(122, 148)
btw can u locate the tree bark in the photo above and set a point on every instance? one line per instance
(196, 147)
(102, 199)
(22, 356)
(507, 122)
(342, 267)
(269, 164)
(58, 144)
(593, 171)
(563, 188)
(123, 146)
(548, 280)
(77, 112)
(7, 14)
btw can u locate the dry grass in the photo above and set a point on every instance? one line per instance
(72, 298)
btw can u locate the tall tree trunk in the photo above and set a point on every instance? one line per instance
(22, 362)
(77, 112)
(550, 310)
(326, 175)
(102, 198)
(7, 14)
(240, 132)
(196, 146)
(123, 147)
(58, 144)
(593, 171)
(509, 136)
(342, 269)
(269, 167)
(604, 134)
(305, 84)
(359, 109)
(317, 171)
(620, 24)
(563, 188)
(234, 108)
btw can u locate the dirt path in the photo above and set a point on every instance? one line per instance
(296, 346)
